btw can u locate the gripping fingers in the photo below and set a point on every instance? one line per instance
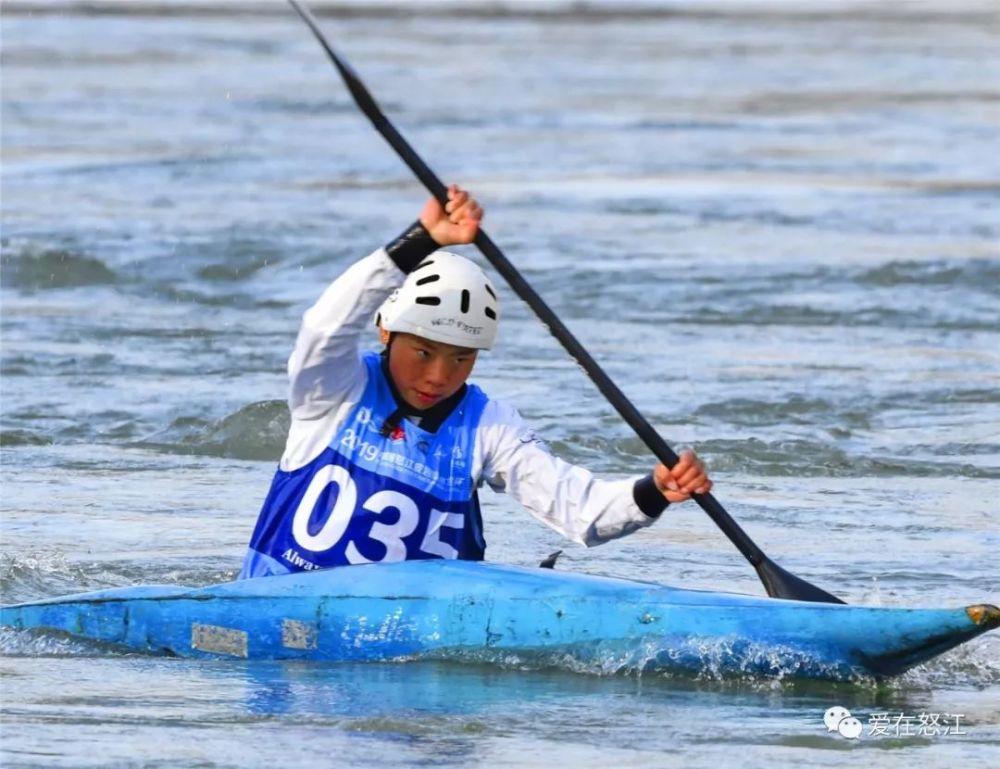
(688, 476)
(460, 207)
(466, 211)
(457, 222)
(475, 211)
(455, 203)
(457, 197)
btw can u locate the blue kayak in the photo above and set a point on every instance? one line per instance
(493, 613)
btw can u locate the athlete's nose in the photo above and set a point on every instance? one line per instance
(437, 372)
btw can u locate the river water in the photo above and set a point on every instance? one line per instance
(777, 229)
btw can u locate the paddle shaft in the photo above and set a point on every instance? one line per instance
(608, 388)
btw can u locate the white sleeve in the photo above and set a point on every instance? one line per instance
(568, 498)
(325, 371)
(326, 362)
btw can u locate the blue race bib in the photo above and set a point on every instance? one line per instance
(369, 498)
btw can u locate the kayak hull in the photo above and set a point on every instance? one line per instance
(487, 612)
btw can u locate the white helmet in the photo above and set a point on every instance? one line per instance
(446, 298)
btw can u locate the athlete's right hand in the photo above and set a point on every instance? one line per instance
(455, 224)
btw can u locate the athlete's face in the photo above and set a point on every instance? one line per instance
(425, 372)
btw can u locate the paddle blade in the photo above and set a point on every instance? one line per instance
(782, 584)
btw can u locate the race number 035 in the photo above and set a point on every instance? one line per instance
(390, 535)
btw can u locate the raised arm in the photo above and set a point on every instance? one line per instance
(325, 365)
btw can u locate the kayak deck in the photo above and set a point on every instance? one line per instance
(488, 612)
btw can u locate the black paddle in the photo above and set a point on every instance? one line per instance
(778, 582)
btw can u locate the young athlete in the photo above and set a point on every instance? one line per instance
(385, 451)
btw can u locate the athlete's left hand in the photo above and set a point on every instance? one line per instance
(685, 478)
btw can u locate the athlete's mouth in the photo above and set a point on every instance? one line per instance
(427, 398)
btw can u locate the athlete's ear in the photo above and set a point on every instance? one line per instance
(383, 335)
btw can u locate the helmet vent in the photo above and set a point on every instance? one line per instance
(489, 290)
(431, 300)
(424, 263)
(428, 279)
(465, 300)
(490, 314)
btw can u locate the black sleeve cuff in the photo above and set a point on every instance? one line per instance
(648, 497)
(409, 249)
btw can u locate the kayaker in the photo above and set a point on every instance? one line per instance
(386, 450)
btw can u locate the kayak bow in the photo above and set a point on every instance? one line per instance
(488, 612)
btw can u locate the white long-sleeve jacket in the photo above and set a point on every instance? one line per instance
(328, 377)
